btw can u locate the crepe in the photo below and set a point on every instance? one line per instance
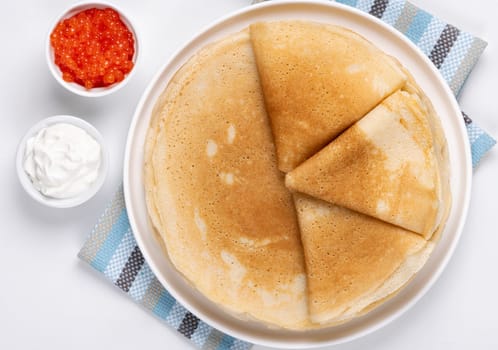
(384, 166)
(214, 193)
(353, 261)
(317, 80)
(367, 164)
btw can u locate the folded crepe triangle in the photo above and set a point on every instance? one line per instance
(384, 166)
(353, 261)
(317, 79)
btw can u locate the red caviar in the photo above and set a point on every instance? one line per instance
(93, 48)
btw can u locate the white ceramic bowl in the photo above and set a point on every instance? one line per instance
(74, 87)
(67, 202)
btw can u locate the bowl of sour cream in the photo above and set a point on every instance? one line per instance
(61, 161)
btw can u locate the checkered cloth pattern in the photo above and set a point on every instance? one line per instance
(111, 248)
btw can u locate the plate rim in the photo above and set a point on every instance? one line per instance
(467, 176)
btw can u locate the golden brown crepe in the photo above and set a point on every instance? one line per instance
(384, 166)
(353, 260)
(317, 79)
(215, 194)
(269, 98)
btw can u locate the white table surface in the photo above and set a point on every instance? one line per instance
(51, 300)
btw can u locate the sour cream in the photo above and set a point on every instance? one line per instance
(62, 160)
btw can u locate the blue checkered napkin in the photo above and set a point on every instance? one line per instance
(112, 250)
(452, 51)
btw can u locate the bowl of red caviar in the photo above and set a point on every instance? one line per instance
(92, 49)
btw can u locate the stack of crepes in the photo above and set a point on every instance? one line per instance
(296, 174)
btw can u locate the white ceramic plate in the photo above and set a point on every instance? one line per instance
(429, 79)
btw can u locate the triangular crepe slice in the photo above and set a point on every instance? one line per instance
(383, 166)
(353, 261)
(317, 80)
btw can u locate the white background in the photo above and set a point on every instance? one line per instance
(51, 300)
